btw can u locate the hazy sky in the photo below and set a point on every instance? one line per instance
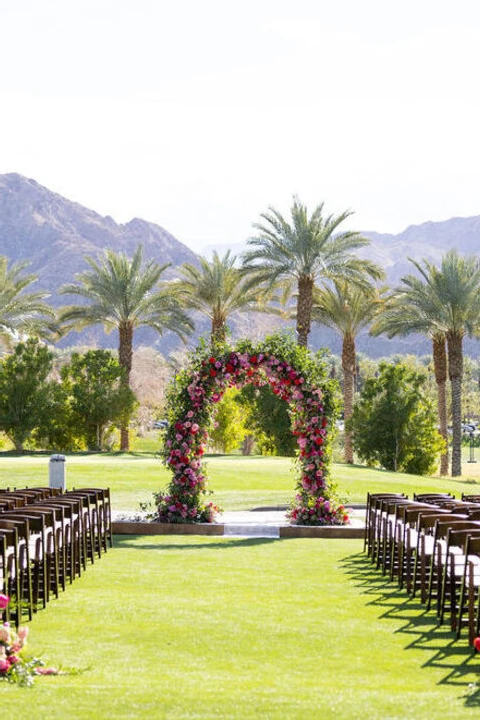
(198, 115)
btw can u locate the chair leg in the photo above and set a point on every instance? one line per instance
(471, 604)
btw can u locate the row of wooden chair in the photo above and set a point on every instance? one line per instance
(46, 540)
(431, 546)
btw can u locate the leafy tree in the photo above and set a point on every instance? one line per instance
(218, 288)
(22, 312)
(57, 429)
(393, 424)
(443, 302)
(99, 396)
(268, 420)
(306, 251)
(25, 391)
(409, 310)
(122, 294)
(229, 427)
(346, 309)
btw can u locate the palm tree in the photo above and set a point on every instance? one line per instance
(122, 294)
(451, 297)
(346, 309)
(217, 288)
(409, 309)
(22, 312)
(303, 253)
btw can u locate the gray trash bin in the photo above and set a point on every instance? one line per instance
(58, 472)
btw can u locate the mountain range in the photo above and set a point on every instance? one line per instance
(54, 234)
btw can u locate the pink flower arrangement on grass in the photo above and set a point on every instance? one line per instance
(14, 666)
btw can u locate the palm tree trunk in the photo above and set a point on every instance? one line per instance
(455, 370)
(304, 308)
(348, 367)
(125, 355)
(440, 368)
(219, 331)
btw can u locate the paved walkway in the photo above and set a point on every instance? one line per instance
(266, 523)
(247, 523)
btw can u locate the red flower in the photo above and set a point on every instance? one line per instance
(319, 440)
(212, 372)
(476, 644)
(211, 360)
(253, 359)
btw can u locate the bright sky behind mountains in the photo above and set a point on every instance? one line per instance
(199, 115)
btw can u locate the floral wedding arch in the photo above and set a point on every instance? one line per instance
(298, 378)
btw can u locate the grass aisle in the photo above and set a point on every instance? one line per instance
(189, 627)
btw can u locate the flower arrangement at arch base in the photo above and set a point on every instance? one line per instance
(15, 667)
(296, 377)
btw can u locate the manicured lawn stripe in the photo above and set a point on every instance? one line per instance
(238, 483)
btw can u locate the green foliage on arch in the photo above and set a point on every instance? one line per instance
(295, 375)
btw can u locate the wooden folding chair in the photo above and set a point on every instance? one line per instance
(425, 547)
(469, 591)
(406, 540)
(59, 526)
(104, 514)
(46, 559)
(5, 570)
(386, 539)
(370, 517)
(72, 534)
(21, 565)
(441, 560)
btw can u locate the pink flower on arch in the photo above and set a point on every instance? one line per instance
(4, 600)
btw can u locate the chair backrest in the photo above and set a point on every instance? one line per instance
(472, 546)
(20, 526)
(13, 500)
(457, 537)
(411, 512)
(427, 521)
(433, 497)
(35, 523)
(443, 527)
(388, 505)
(471, 498)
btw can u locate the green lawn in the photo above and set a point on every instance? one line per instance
(238, 482)
(190, 627)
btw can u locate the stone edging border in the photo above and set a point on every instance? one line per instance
(288, 531)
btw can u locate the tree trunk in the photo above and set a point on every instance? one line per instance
(125, 355)
(455, 371)
(219, 331)
(304, 308)
(348, 367)
(440, 369)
